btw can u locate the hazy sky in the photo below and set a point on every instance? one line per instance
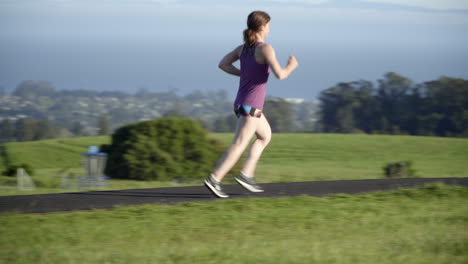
(157, 44)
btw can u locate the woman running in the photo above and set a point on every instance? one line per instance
(256, 59)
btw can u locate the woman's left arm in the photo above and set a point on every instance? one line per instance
(226, 63)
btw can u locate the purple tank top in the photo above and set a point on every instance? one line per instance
(253, 79)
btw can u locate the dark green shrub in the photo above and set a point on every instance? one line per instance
(399, 169)
(163, 149)
(12, 169)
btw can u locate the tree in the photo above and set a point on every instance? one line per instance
(224, 124)
(44, 130)
(103, 125)
(220, 125)
(449, 100)
(30, 90)
(7, 130)
(78, 129)
(337, 108)
(391, 97)
(280, 115)
(365, 110)
(162, 149)
(397, 107)
(25, 129)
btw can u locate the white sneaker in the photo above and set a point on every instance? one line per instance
(248, 183)
(215, 187)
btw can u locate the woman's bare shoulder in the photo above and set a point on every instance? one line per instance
(266, 48)
(238, 50)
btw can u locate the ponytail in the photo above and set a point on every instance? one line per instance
(249, 37)
(255, 20)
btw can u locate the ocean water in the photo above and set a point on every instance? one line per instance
(128, 64)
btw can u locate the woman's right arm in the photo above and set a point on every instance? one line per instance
(270, 58)
(226, 64)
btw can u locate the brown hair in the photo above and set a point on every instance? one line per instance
(255, 20)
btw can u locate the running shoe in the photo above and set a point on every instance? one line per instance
(215, 187)
(248, 183)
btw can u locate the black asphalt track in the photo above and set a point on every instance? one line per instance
(45, 203)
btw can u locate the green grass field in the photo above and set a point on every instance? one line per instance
(288, 158)
(54, 153)
(428, 224)
(304, 157)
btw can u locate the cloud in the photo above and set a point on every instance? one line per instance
(430, 4)
(370, 12)
(313, 2)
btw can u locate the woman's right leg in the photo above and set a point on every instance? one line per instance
(245, 129)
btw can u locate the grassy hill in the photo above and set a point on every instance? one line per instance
(289, 157)
(296, 157)
(54, 153)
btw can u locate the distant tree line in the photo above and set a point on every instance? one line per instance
(279, 112)
(396, 106)
(76, 110)
(28, 129)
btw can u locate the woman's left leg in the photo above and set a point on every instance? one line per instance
(263, 133)
(246, 127)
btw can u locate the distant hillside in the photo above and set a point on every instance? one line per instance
(79, 111)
